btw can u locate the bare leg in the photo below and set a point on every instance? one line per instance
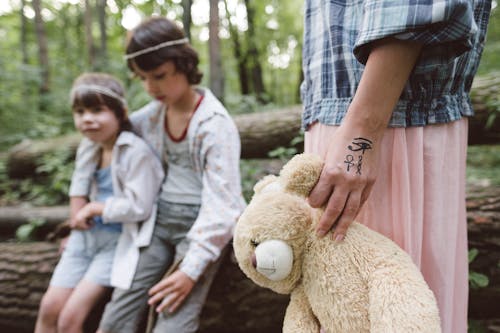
(82, 300)
(51, 305)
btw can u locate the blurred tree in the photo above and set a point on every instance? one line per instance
(186, 17)
(254, 57)
(43, 55)
(88, 35)
(103, 47)
(216, 72)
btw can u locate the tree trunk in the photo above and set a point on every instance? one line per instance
(253, 55)
(186, 17)
(103, 48)
(235, 304)
(238, 54)
(88, 34)
(259, 132)
(216, 76)
(43, 55)
(24, 33)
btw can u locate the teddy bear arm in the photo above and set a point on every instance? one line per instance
(299, 317)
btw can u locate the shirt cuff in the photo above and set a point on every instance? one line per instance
(195, 262)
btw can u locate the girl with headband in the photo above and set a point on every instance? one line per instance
(200, 199)
(125, 180)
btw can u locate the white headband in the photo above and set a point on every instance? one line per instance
(98, 89)
(156, 47)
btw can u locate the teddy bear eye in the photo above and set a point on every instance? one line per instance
(254, 242)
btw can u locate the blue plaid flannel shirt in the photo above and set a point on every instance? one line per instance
(337, 39)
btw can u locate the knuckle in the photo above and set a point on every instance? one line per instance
(331, 172)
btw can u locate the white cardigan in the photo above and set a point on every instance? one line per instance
(136, 175)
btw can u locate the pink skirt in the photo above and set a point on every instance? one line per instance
(418, 201)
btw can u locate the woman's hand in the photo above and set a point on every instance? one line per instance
(171, 291)
(347, 178)
(351, 161)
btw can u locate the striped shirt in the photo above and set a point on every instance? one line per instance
(337, 39)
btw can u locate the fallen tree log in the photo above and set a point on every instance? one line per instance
(262, 132)
(236, 304)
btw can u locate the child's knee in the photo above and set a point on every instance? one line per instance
(69, 320)
(50, 308)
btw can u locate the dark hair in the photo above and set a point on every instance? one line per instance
(90, 98)
(157, 30)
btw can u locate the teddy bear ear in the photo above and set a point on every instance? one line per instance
(301, 173)
(264, 183)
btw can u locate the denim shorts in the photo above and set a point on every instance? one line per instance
(88, 255)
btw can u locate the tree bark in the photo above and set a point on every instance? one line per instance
(216, 73)
(186, 17)
(24, 33)
(103, 48)
(253, 55)
(238, 54)
(88, 34)
(43, 55)
(235, 304)
(259, 132)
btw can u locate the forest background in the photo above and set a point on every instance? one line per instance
(250, 52)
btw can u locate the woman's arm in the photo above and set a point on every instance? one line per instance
(351, 161)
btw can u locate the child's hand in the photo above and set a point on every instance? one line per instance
(82, 219)
(171, 291)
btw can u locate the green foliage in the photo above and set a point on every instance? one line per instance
(483, 164)
(285, 153)
(476, 280)
(476, 326)
(249, 174)
(50, 185)
(25, 232)
(491, 56)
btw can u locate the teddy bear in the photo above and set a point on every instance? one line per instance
(365, 283)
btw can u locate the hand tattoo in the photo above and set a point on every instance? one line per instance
(359, 146)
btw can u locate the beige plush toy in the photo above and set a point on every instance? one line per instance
(365, 283)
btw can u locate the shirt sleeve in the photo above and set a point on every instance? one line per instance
(85, 165)
(221, 200)
(141, 179)
(446, 28)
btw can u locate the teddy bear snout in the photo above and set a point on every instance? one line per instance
(273, 259)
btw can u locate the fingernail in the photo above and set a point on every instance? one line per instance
(339, 238)
(320, 232)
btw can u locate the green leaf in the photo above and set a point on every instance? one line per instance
(478, 280)
(24, 232)
(473, 254)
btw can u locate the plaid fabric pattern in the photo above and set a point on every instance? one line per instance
(337, 39)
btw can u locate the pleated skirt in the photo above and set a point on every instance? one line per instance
(418, 201)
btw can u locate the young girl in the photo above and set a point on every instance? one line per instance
(200, 198)
(125, 182)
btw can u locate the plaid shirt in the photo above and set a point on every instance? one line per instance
(337, 39)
